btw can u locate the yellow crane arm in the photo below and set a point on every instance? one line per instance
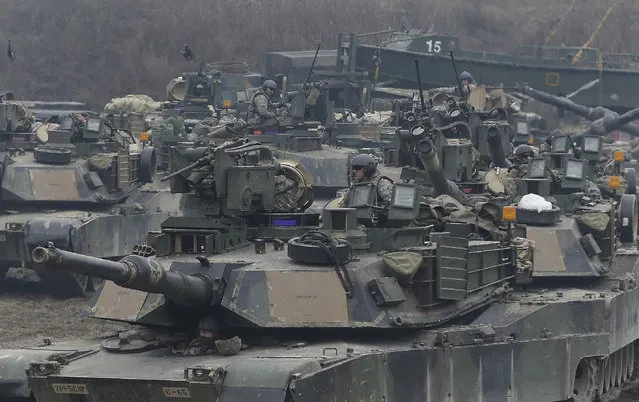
(592, 37)
(553, 31)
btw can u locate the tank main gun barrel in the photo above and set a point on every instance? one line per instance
(563, 103)
(495, 148)
(132, 272)
(581, 110)
(609, 123)
(428, 157)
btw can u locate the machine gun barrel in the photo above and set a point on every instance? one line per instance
(419, 84)
(310, 70)
(459, 84)
(133, 272)
(581, 110)
(609, 123)
(495, 148)
(197, 163)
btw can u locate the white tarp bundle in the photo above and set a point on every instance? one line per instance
(132, 104)
(534, 202)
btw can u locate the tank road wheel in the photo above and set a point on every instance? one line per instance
(632, 360)
(603, 367)
(148, 164)
(631, 179)
(628, 218)
(627, 363)
(586, 380)
(613, 370)
(621, 368)
(607, 373)
(635, 366)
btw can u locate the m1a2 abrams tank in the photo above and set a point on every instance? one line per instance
(349, 312)
(86, 183)
(304, 125)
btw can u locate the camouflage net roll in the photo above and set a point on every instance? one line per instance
(132, 104)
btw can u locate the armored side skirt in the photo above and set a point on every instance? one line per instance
(530, 353)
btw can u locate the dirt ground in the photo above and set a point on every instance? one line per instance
(29, 318)
(628, 393)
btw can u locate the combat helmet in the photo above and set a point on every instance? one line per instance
(269, 84)
(365, 161)
(523, 152)
(465, 75)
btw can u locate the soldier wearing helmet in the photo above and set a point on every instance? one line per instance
(466, 78)
(523, 153)
(502, 181)
(521, 156)
(363, 170)
(209, 341)
(259, 113)
(467, 82)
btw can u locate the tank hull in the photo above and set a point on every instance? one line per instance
(496, 356)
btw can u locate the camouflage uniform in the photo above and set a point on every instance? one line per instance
(285, 194)
(258, 113)
(384, 189)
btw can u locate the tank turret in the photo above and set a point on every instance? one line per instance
(224, 287)
(51, 175)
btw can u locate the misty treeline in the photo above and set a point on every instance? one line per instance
(92, 50)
